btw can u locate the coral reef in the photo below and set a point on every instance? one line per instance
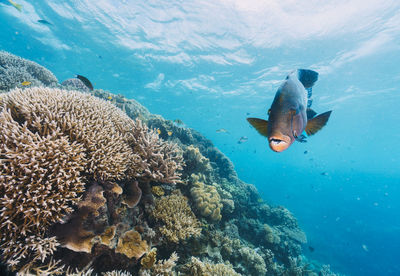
(15, 70)
(88, 186)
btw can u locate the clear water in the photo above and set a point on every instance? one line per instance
(210, 63)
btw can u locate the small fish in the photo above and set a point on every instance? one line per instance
(109, 97)
(365, 248)
(169, 133)
(221, 130)
(290, 113)
(324, 173)
(17, 6)
(45, 22)
(306, 151)
(178, 122)
(25, 83)
(243, 139)
(85, 82)
(311, 248)
(247, 113)
(158, 131)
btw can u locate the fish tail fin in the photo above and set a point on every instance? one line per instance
(307, 78)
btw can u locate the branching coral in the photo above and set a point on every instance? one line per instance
(15, 70)
(179, 221)
(162, 160)
(207, 199)
(40, 182)
(199, 268)
(161, 267)
(52, 143)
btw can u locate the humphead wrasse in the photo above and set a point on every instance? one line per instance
(290, 113)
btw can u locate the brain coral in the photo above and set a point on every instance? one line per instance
(15, 70)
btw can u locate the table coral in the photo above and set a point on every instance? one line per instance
(179, 222)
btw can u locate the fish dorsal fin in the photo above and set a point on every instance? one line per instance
(260, 125)
(310, 114)
(316, 123)
(307, 78)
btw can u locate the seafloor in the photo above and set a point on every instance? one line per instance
(92, 183)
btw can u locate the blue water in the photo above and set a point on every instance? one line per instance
(210, 63)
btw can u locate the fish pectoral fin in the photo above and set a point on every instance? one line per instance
(310, 113)
(317, 123)
(259, 124)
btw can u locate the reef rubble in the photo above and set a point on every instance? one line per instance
(92, 183)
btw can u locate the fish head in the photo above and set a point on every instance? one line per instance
(284, 128)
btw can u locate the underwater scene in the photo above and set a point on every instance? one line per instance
(220, 137)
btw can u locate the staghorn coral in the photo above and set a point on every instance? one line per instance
(207, 199)
(131, 245)
(15, 70)
(179, 221)
(163, 160)
(199, 268)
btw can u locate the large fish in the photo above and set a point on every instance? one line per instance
(290, 113)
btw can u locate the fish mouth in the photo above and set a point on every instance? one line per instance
(279, 143)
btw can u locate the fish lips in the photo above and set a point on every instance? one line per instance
(279, 143)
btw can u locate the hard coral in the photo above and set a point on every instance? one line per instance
(179, 221)
(162, 161)
(199, 268)
(40, 182)
(132, 245)
(79, 117)
(207, 199)
(15, 70)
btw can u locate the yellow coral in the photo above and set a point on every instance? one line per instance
(195, 161)
(207, 200)
(179, 220)
(157, 190)
(132, 245)
(150, 259)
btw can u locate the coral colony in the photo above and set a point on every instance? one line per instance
(93, 184)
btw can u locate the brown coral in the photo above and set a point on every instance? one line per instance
(179, 221)
(132, 245)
